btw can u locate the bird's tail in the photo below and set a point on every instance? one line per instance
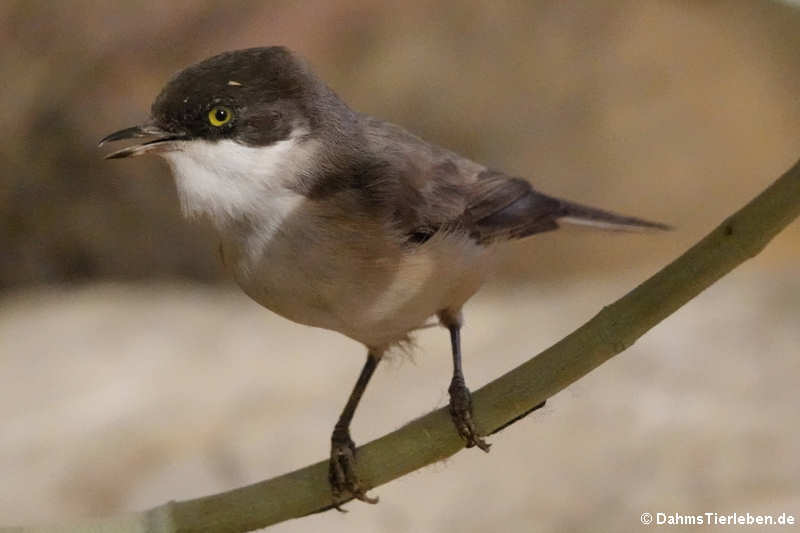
(581, 215)
(506, 208)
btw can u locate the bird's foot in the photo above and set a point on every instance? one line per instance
(341, 472)
(461, 413)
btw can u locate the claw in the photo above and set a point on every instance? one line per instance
(461, 413)
(341, 474)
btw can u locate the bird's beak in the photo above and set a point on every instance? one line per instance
(158, 141)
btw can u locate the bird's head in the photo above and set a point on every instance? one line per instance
(239, 126)
(254, 97)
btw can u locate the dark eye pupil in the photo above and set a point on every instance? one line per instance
(220, 115)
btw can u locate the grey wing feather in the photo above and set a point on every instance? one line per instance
(502, 208)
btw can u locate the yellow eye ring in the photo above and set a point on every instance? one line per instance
(219, 115)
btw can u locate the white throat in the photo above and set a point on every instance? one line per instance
(227, 180)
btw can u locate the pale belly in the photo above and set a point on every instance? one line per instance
(375, 301)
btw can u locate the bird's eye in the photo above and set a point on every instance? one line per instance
(219, 115)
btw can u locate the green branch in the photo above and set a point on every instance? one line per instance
(506, 399)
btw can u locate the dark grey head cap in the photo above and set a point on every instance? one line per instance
(267, 92)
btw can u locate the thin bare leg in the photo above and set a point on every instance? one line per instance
(460, 397)
(341, 473)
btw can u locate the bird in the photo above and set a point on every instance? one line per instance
(339, 220)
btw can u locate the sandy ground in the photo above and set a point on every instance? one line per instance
(121, 397)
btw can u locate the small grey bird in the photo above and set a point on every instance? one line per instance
(336, 219)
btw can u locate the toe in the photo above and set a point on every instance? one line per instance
(342, 476)
(461, 413)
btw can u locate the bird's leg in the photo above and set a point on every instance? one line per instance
(341, 472)
(460, 397)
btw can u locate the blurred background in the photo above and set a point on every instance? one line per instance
(133, 372)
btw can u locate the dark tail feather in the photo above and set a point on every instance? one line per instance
(581, 215)
(504, 208)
